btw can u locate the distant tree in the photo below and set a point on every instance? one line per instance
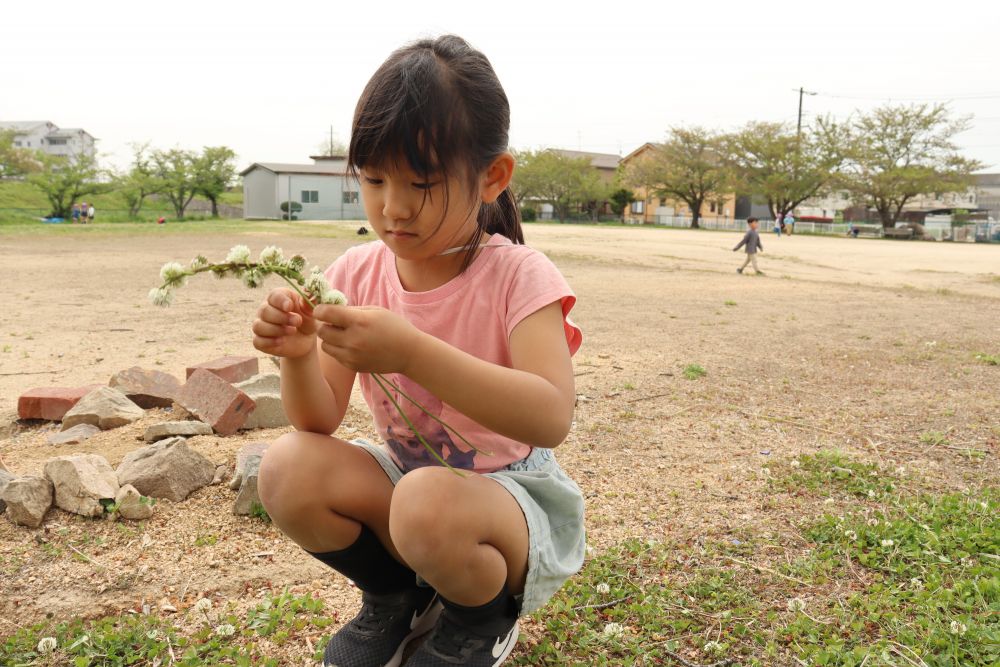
(899, 152)
(175, 170)
(558, 180)
(332, 145)
(620, 199)
(687, 167)
(14, 160)
(774, 162)
(214, 171)
(65, 180)
(140, 181)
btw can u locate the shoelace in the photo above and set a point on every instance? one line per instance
(450, 639)
(375, 616)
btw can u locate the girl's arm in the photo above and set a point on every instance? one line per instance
(315, 391)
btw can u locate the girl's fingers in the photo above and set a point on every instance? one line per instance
(271, 330)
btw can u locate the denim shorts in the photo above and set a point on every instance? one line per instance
(552, 504)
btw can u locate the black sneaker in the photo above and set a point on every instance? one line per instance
(453, 644)
(377, 636)
(739, 270)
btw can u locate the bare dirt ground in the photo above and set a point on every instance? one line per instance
(846, 344)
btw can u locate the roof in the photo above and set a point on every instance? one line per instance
(285, 168)
(986, 179)
(67, 131)
(22, 125)
(599, 160)
(637, 151)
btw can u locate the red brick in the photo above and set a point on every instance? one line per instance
(50, 402)
(230, 369)
(215, 402)
(147, 388)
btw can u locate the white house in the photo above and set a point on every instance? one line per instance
(45, 136)
(324, 188)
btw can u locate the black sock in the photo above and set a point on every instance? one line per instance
(369, 565)
(490, 619)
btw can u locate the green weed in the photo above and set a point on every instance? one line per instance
(694, 371)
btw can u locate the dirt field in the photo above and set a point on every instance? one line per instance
(847, 344)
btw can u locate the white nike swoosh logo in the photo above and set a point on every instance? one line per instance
(419, 617)
(500, 647)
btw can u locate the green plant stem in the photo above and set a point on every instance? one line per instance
(376, 376)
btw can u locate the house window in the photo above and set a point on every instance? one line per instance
(310, 196)
(56, 142)
(17, 143)
(711, 207)
(663, 201)
(350, 197)
(638, 206)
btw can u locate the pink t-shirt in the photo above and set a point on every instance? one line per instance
(475, 312)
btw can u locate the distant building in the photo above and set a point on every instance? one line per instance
(324, 189)
(45, 136)
(606, 164)
(987, 188)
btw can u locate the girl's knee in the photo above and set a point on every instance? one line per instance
(423, 512)
(288, 470)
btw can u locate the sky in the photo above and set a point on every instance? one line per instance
(271, 79)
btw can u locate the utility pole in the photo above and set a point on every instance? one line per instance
(802, 92)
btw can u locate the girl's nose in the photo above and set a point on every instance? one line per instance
(396, 205)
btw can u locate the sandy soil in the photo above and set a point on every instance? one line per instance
(854, 344)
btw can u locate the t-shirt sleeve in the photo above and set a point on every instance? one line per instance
(535, 284)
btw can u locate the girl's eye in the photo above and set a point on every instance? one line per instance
(424, 186)
(373, 181)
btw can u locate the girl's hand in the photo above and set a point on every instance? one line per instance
(285, 326)
(367, 339)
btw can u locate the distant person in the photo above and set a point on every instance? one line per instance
(789, 225)
(753, 245)
(90, 213)
(76, 213)
(161, 220)
(777, 225)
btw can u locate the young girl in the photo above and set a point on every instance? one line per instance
(452, 309)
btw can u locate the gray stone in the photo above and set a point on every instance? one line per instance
(5, 477)
(252, 450)
(74, 435)
(262, 383)
(28, 499)
(166, 469)
(132, 504)
(171, 429)
(105, 407)
(247, 498)
(147, 388)
(81, 482)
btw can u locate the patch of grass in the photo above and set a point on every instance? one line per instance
(206, 540)
(146, 640)
(628, 386)
(933, 438)
(694, 371)
(989, 359)
(829, 472)
(257, 511)
(931, 585)
(730, 302)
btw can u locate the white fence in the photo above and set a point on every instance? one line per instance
(739, 225)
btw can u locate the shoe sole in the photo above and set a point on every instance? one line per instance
(426, 622)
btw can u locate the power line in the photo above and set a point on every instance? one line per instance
(905, 98)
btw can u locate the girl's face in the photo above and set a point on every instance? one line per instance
(409, 214)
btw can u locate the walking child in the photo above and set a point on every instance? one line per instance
(753, 245)
(452, 308)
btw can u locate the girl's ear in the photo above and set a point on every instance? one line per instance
(497, 177)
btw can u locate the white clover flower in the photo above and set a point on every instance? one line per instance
(173, 273)
(203, 605)
(871, 494)
(153, 634)
(984, 505)
(225, 630)
(916, 583)
(199, 262)
(795, 464)
(238, 254)
(829, 501)
(316, 283)
(46, 645)
(958, 628)
(336, 297)
(252, 278)
(614, 630)
(161, 296)
(850, 534)
(887, 543)
(712, 648)
(873, 522)
(603, 588)
(796, 604)
(271, 255)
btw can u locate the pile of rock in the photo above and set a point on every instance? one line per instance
(223, 396)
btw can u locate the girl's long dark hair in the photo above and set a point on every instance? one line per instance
(437, 103)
